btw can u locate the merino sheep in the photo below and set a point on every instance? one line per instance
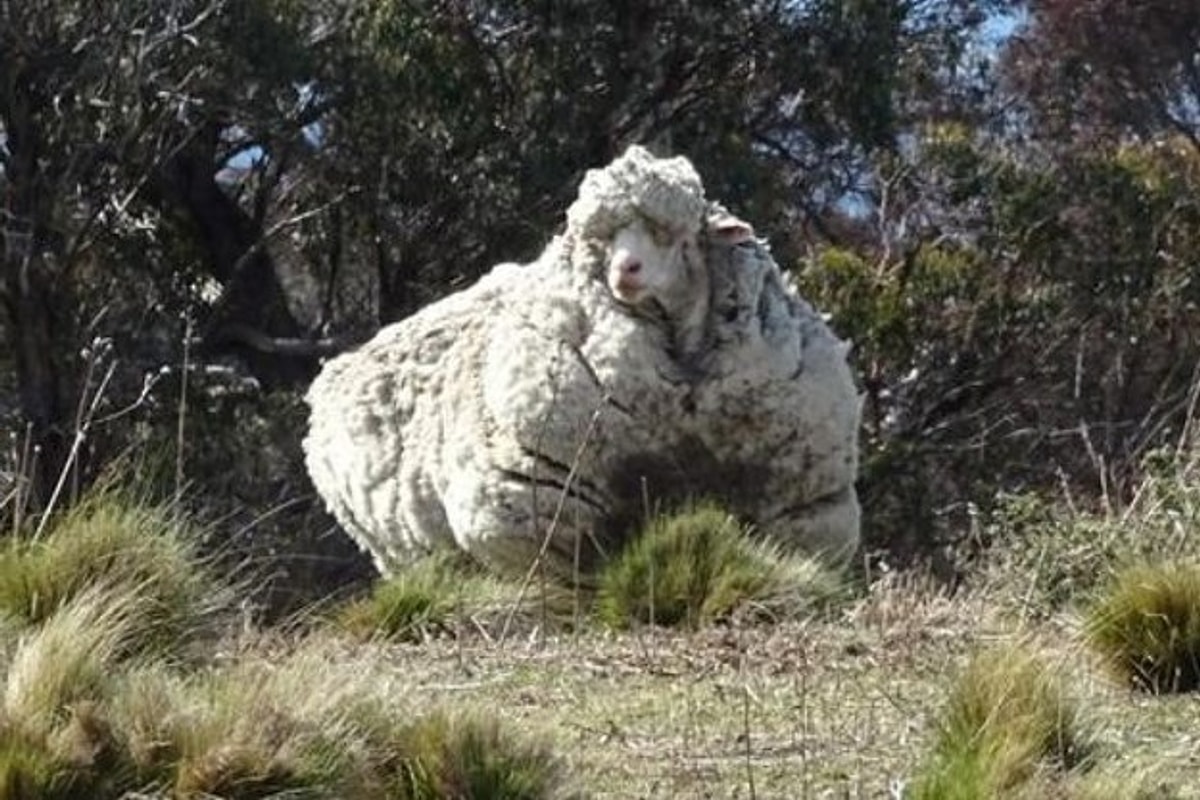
(661, 355)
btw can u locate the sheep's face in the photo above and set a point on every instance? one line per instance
(648, 261)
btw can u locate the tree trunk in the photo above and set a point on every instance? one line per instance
(239, 259)
(30, 320)
(29, 301)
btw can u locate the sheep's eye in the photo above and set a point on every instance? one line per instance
(662, 236)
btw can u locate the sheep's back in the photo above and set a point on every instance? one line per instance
(376, 424)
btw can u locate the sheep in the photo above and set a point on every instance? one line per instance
(527, 426)
(773, 367)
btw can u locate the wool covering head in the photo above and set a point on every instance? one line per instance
(666, 190)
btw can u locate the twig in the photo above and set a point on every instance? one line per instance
(554, 520)
(181, 412)
(746, 738)
(81, 432)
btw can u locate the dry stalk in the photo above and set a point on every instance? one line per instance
(552, 528)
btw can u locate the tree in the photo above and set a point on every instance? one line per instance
(116, 130)
(1101, 67)
(228, 183)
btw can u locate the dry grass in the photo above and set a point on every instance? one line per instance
(841, 707)
(465, 699)
(844, 704)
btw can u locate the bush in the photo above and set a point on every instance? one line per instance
(1059, 554)
(1147, 626)
(1007, 718)
(699, 565)
(1036, 329)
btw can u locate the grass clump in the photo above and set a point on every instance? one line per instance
(87, 709)
(699, 565)
(54, 739)
(258, 728)
(78, 720)
(314, 724)
(112, 540)
(30, 771)
(1147, 626)
(422, 600)
(1006, 721)
(444, 756)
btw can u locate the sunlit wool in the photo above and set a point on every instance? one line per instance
(653, 352)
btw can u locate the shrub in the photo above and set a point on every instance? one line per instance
(1007, 717)
(1060, 554)
(699, 565)
(1147, 626)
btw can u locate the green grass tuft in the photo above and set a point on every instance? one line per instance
(425, 599)
(440, 756)
(1147, 626)
(113, 541)
(1007, 718)
(699, 565)
(30, 772)
(410, 605)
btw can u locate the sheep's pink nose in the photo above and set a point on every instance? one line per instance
(625, 262)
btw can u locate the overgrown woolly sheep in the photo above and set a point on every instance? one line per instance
(661, 356)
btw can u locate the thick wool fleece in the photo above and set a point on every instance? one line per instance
(532, 414)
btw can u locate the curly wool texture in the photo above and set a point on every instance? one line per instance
(532, 414)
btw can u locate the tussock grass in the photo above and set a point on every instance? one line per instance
(317, 722)
(1007, 718)
(79, 720)
(54, 741)
(1147, 626)
(699, 565)
(71, 657)
(418, 602)
(429, 597)
(447, 756)
(110, 539)
(96, 700)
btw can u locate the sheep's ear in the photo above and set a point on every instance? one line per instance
(725, 227)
